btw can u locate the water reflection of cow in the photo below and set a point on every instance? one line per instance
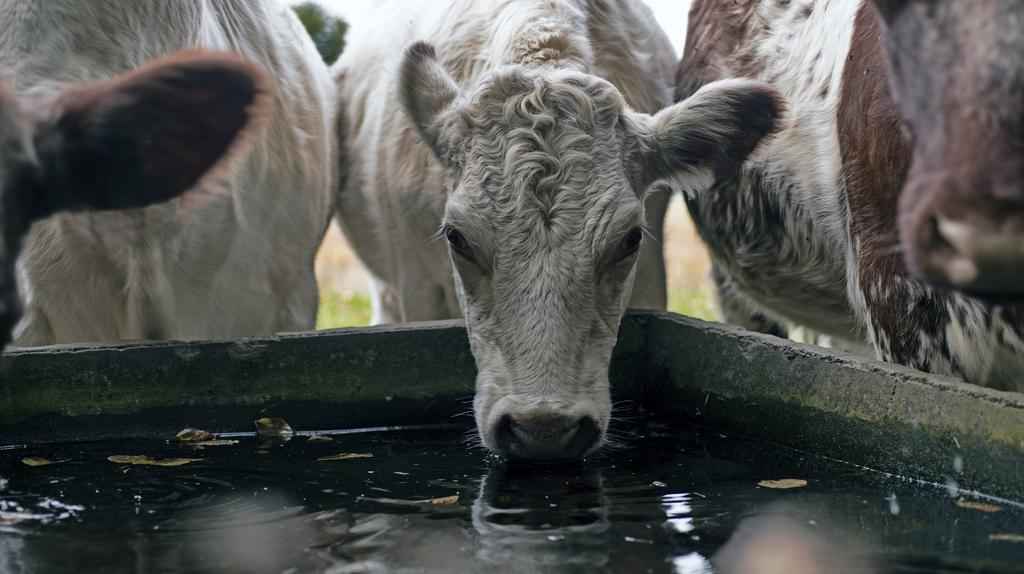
(532, 521)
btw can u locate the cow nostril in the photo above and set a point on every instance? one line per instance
(951, 248)
(979, 256)
(503, 435)
(546, 437)
(547, 430)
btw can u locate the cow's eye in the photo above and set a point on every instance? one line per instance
(456, 240)
(631, 242)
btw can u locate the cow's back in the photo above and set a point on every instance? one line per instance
(236, 265)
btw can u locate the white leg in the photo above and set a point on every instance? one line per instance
(650, 290)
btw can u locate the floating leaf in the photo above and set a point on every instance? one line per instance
(319, 438)
(982, 506)
(346, 456)
(34, 461)
(443, 501)
(192, 435)
(783, 483)
(273, 427)
(216, 442)
(143, 459)
(1006, 537)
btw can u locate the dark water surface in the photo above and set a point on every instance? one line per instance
(665, 502)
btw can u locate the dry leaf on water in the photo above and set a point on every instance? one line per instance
(148, 460)
(346, 456)
(443, 501)
(982, 506)
(273, 427)
(783, 483)
(191, 435)
(35, 461)
(319, 438)
(216, 442)
(1006, 537)
(199, 438)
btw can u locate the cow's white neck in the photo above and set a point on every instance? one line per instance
(802, 164)
(810, 80)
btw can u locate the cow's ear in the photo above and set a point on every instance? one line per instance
(149, 135)
(717, 128)
(426, 91)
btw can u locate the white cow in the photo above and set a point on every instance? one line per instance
(523, 141)
(241, 263)
(129, 142)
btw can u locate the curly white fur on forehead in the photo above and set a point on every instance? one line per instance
(540, 133)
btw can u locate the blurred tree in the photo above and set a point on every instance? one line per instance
(328, 32)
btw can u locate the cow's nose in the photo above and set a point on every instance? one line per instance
(984, 257)
(546, 436)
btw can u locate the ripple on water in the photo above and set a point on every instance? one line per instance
(675, 501)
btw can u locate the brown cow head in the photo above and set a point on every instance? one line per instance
(142, 138)
(956, 72)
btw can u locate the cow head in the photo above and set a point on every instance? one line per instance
(547, 172)
(957, 76)
(128, 142)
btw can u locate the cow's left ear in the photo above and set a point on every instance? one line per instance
(147, 136)
(426, 90)
(717, 128)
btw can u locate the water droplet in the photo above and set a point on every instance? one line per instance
(952, 488)
(894, 505)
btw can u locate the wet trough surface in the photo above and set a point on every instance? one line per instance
(663, 502)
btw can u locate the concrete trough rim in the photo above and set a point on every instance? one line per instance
(277, 337)
(684, 370)
(886, 417)
(853, 361)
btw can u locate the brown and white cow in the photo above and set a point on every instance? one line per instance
(123, 143)
(811, 235)
(956, 73)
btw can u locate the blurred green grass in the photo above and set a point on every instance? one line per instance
(343, 310)
(693, 301)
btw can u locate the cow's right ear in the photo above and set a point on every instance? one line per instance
(716, 128)
(426, 91)
(147, 136)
